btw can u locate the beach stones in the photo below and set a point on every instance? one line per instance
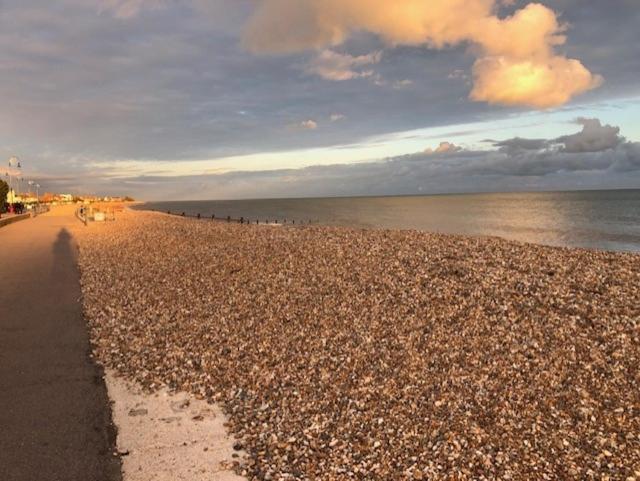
(344, 354)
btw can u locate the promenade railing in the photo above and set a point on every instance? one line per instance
(82, 216)
(40, 209)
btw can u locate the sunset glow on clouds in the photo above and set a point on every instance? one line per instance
(331, 65)
(517, 62)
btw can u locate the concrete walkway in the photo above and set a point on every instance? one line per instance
(55, 418)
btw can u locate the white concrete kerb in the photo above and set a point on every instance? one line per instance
(170, 437)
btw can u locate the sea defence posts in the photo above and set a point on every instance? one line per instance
(240, 220)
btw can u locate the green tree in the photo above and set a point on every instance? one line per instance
(4, 190)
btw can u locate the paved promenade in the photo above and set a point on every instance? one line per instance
(55, 420)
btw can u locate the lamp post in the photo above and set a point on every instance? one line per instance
(30, 183)
(19, 177)
(13, 161)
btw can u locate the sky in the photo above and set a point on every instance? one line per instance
(223, 99)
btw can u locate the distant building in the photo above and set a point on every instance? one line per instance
(48, 197)
(27, 198)
(109, 198)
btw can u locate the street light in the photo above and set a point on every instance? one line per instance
(30, 183)
(19, 178)
(13, 161)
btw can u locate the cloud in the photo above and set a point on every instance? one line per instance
(337, 117)
(594, 137)
(308, 125)
(458, 74)
(425, 172)
(379, 81)
(518, 145)
(129, 8)
(401, 84)
(551, 83)
(335, 66)
(517, 62)
(443, 148)
(596, 149)
(511, 164)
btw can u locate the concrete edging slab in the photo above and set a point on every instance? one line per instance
(170, 436)
(10, 220)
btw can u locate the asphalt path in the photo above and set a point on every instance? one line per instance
(55, 416)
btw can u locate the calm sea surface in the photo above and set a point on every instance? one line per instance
(595, 219)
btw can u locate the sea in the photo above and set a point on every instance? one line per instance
(596, 219)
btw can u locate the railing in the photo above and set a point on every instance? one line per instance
(240, 220)
(88, 213)
(40, 209)
(34, 211)
(81, 214)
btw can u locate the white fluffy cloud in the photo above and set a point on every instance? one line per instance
(336, 66)
(517, 62)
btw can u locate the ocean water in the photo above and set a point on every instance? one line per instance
(608, 220)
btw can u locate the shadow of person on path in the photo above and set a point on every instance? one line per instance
(63, 257)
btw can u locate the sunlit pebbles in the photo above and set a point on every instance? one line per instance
(387, 355)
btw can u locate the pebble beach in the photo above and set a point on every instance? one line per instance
(351, 354)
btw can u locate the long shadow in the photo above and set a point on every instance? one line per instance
(62, 256)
